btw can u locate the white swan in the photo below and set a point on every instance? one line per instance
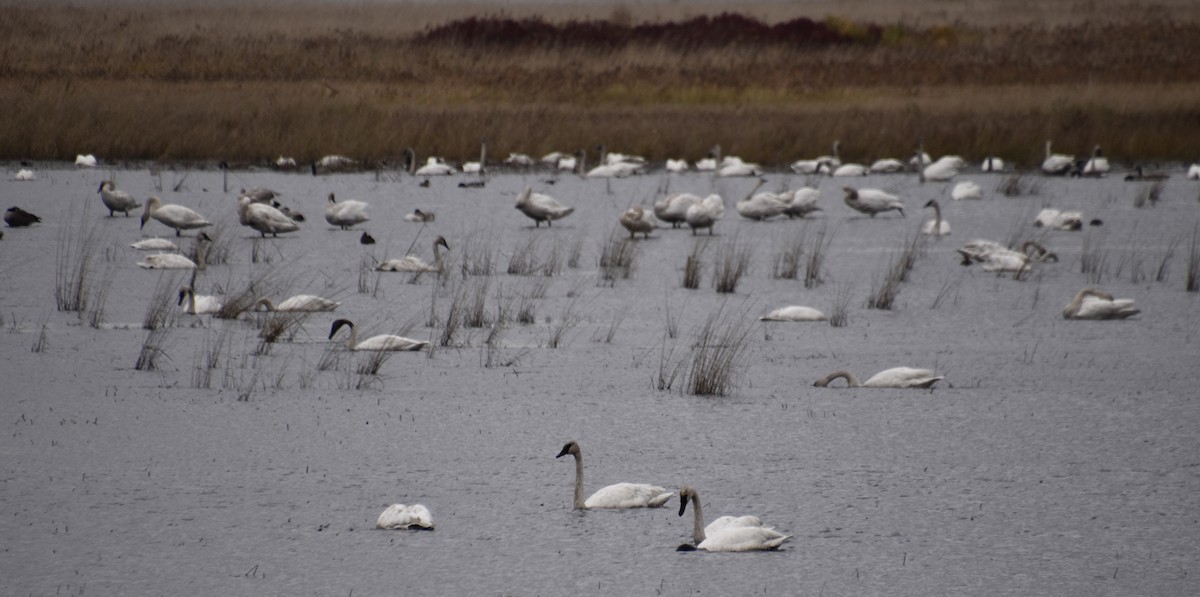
(871, 201)
(479, 167)
(1000, 259)
(761, 206)
(345, 214)
(728, 533)
(619, 495)
(306, 303)
(116, 200)
(849, 170)
(177, 261)
(1057, 163)
(86, 160)
(992, 164)
(677, 166)
(966, 190)
(937, 226)
(1059, 220)
(155, 244)
(945, 168)
(380, 342)
(198, 305)
(519, 160)
(175, 216)
(672, 209)
(1094, 304)
(887, 166)
(706, 213)
(920, 159)
(400, 517)
(711, 162)
(1097, 165)
(617, 170)
(334, 163)
(1193, 172)
(26, 175)
(420, 216)
(636, 219)
(412, 263)
(794, 313)
(541, 208)
(258, 195)
(264, 218)
(801, 202)
(897, 377)
(734, 166)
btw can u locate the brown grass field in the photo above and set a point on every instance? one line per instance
(245, 83)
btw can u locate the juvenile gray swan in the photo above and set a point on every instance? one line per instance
(1090, 303)
(541, 208)
(116, 200)
(619, 495)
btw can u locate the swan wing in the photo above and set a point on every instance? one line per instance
(629, 495)
(724, 522)
(390, 342)
(400, 516)
(307, 302)
(743, 538)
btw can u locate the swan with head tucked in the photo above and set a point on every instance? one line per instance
(761, 206)
(998, 258)
(886, 166)
(636, 219)
(728, 533)
(116, 200)
(264, 218)
(541, 208)
(672, 209)
(1094, 304)
(706, 213)
(198, 305)
(871, 201)
(966, 190)
(1059, 220)
(619, 495)
(175, 216)
(177, 261)
(801, 202)
(945, 168)
(794, 313)
(734, 166)
(345, 214)
(412, 263)
(421, 217)
(155, 244)
(1057, 163)
(380, 342)
(937, 226)
(896, 377)
(400, 517)
(300, 303)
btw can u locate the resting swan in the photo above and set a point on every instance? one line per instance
(937, 226)
(706, 213)
(672, 209)
(636, 219)
(541, 208)
(412, 263)
(116, 200)
(155, 244)
(761, 206)
(897, 377)
(380, 342)
(399, 516)
(794, 313)
(945, 168)
(198, 305)
(1094, 304)
(1057, 163)
(620, 495)
(728, 533)
(345, 214)
(176, 216)
(872, 201)
(299, 303)
(801, 202)
(175, 260)
(966, 190)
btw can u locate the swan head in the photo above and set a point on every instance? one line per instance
(523, 198)
(337, 325)
(932, 203)
(571, 447)
(331, 198)
(107, 184)
(851, 192)
(685, 493)
(441, 240)
(183, 293)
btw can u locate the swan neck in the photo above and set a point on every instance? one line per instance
(352, 341)
(579, 505)
(697, 520)
(851, 381)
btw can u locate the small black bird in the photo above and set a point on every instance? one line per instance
(366, 239)
(16, 217)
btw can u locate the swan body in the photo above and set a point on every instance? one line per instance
(175, 260)
(519, 160)
(1059, 220)
(672, 209)
(412, 263)
(420, 216)
(728, 533)
(711, 162)
(333, 163)
(817, 166)
(116, 200)
(264, 218)
(762, 206)
(920, 159)
(434, 166)
(846, 170)
(175, 216)
(677, 166)
(380, 342)
(198, 304)
(155, 244)
(24, 175)
(1097, 165)
(552, 158)
(998, 258)
(615, 170)
(258, 195)
(305, 303)
(16, 217)
(86, 160)
(541, 208)
(636, 219)
(1094, 304)
(872, 201)
(794, 313)
(1057, 163)
(1193, 172)
(705, 213)
(966, 190)
(617, 496)
(345, 214)
(801, 202)
(887, 166)
(734, 166)
(937, 226)
(400, 517)
(992, 164)
(945, 168)
(896, 377)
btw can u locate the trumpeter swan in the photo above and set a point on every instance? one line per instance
(264, 218)
(1059, 220)
(887, 166)
(1057, 163)
(24, 175)
(1094, 304)
(966, 190)
(541, 208)
(400, 517)
(920, 158)
(612, 157)
(992, 164)
(710, 163)
(380, 342)
(871, 201)
(116, 200)
(16, 217)
(728, 533)
(617, 170)
(420, 216)
(412, 263)
(676, 166)
(155, 244)
(198, 305)
(479, 167)
(636, 219)
(761, 206)
(848, 170)
(619, 495)
(551, 159)
(801, 202)
(896, 377)
(175, 216)
(705, 213)
(937, 226)
(1097, 165)
(333, 163)
(86, 160)
(345, 214)
(519, 160)
(306, 303)
(945, 168)
(734, 166)
(1000, 259)
(794, 313)
(1194, 172)
(434, 166)
(177, 261)
(672, 209)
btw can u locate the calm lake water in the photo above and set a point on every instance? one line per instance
(1057, 458)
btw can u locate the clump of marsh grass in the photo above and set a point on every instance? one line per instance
(575, 253)
(39, 343)
(670, 367)
(243, 299)
(567, 320)
(477, 256)
(718, 353)
(816, 258)
(1148, 194)
(691, 268)
(731, 263)
(523, 260)
(95, 311)
(73, 261)
(883, 296)
(785, 264)
(1016, 185)
(160, 310)
(1192, 276)
(839, 315)
(948, 289)
(1161, 273)
(475, 309)
(151, 350)
(617, 258)
(453, 319)
(208, 358)
(1093, 259)
(283, 324)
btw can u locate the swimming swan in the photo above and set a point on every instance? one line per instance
(345, 214)
(937, 226)
(175, 260)
(541, 208)
(1057, 163)
(300, 303)
(871, 201)
(175, 216)
(198, 305)
(794, 313)
(728, 533)
(116, 200)
(1097, 165)
(620, 495)
(897, 377)
(399, 517)
(966, 190)
(412, 263)
(380, 342)
(1094, 304)
(636, 219)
